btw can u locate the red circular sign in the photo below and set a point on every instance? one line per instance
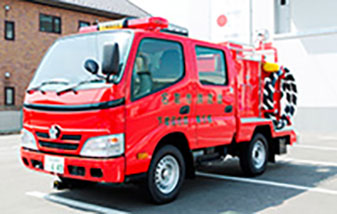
(222, 20)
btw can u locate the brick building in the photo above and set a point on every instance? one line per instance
(29, 27)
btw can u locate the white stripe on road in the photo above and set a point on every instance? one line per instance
(268, 183)
(323, 163)
(74, 203)
(36, 194)
(316, 147)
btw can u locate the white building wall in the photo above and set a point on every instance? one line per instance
(238, 21)
(314, 68)
(192, 14)
(310, 52)
(311, 58)
(263, 16)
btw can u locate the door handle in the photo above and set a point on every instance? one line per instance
(229, 109)
(184, 110)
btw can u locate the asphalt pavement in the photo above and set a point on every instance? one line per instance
(303, 181)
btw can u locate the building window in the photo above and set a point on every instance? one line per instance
(9, 96)
(95, 22)
(50, 24)
(9, 30)
(158, 65)
(83, 24)
(282, 16)
(211, 66)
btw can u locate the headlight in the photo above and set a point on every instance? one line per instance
(104, 146)
(27, 140)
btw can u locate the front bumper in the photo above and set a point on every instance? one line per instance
(91, 169)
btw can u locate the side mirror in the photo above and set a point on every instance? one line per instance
(110, 64)
(91, 66)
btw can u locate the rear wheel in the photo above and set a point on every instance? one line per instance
(254, 156)
(166, 175)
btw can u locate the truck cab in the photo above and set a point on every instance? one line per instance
(129, 100)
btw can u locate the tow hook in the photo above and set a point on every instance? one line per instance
(59, 185)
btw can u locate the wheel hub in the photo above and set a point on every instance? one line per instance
(258, 154)
(167, 174)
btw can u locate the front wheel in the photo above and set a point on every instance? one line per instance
(166, 175)
(254, 156)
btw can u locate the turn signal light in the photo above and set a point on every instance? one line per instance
(142, 155)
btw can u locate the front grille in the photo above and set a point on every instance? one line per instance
(55, 145)
(71, 137)
(64, 137)
(42, 134)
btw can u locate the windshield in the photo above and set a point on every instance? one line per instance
(63, 65)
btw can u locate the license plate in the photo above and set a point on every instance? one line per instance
(54, 164)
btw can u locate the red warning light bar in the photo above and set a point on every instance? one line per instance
(88, 29)
(149, 23)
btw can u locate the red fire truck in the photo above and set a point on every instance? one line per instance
(137, 100)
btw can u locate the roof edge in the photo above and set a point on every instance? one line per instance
(82, 9)
(139, 8)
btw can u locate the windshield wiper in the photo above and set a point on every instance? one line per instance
(74, 87)
(49, 82)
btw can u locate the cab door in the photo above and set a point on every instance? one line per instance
(159, 98)
(215, 116)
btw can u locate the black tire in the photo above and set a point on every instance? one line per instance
(288, 98)
(75, 183)
(253, 166)
(166, 153)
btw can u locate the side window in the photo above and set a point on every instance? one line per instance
(211, 66)
(159, 64)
